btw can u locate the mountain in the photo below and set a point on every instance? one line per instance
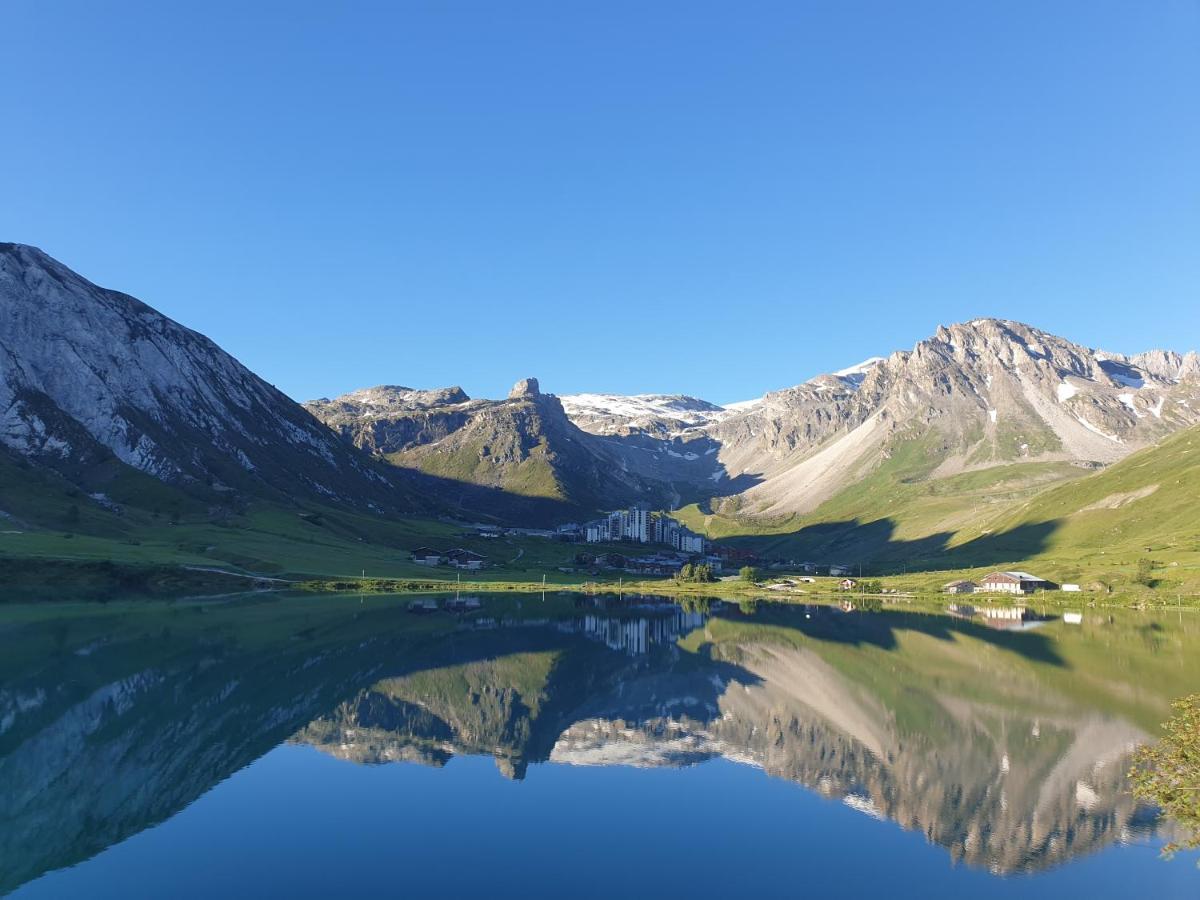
(521, 458)
(105, 403)
(99, 388)
(989, 403)
(974, 396)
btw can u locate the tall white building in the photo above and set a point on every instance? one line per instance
(637, 524)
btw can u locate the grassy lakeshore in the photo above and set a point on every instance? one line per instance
(519, 565)
(911, 592)
(523, 563)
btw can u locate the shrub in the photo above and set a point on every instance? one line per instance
(1167, 774)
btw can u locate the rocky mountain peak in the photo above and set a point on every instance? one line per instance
(387, 397)
(524, 389)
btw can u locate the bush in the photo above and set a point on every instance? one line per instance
(1167, 773)
(701, 573)
(749, 573)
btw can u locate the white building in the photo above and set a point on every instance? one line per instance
(1011, 583)
(639, 525)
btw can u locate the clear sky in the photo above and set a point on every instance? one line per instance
(716, 199)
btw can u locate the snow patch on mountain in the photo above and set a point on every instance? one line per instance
(853, 376)
(1127, 400)
(1092, 428)
(1066, 392)
(743, 405)
(664, 415)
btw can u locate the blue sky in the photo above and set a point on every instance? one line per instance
(717, 199)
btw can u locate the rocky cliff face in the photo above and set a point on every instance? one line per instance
(87, 374)
(979, 394)
(517, 458)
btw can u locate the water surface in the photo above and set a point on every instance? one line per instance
(591, 746)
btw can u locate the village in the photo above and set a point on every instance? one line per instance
(639, 541)
(675, 546)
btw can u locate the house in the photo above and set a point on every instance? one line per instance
(847, 584)
(1012, 583)
(427, 556)
(839, 570)
(465, 559)
(959, 587)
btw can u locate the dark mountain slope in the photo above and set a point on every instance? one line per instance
(91, 377)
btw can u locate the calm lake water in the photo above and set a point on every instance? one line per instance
(580, 746)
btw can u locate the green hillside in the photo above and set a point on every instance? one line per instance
(1133, 524)
(1150, 499)
(898, 511)
(1131, 528)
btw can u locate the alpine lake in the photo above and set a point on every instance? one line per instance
(569, 745)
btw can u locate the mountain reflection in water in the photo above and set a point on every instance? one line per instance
(1007, 748)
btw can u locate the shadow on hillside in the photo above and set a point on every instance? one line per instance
(880, 629)
(685, 466)
(873, 547)
(478, 502)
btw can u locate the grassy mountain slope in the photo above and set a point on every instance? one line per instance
(1146, 503)
(894, 501)
(1073, 523)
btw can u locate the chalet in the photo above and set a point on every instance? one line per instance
(427, 556)
(465, 559)
(959, 587)
(847, 584)
(1012, 583)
